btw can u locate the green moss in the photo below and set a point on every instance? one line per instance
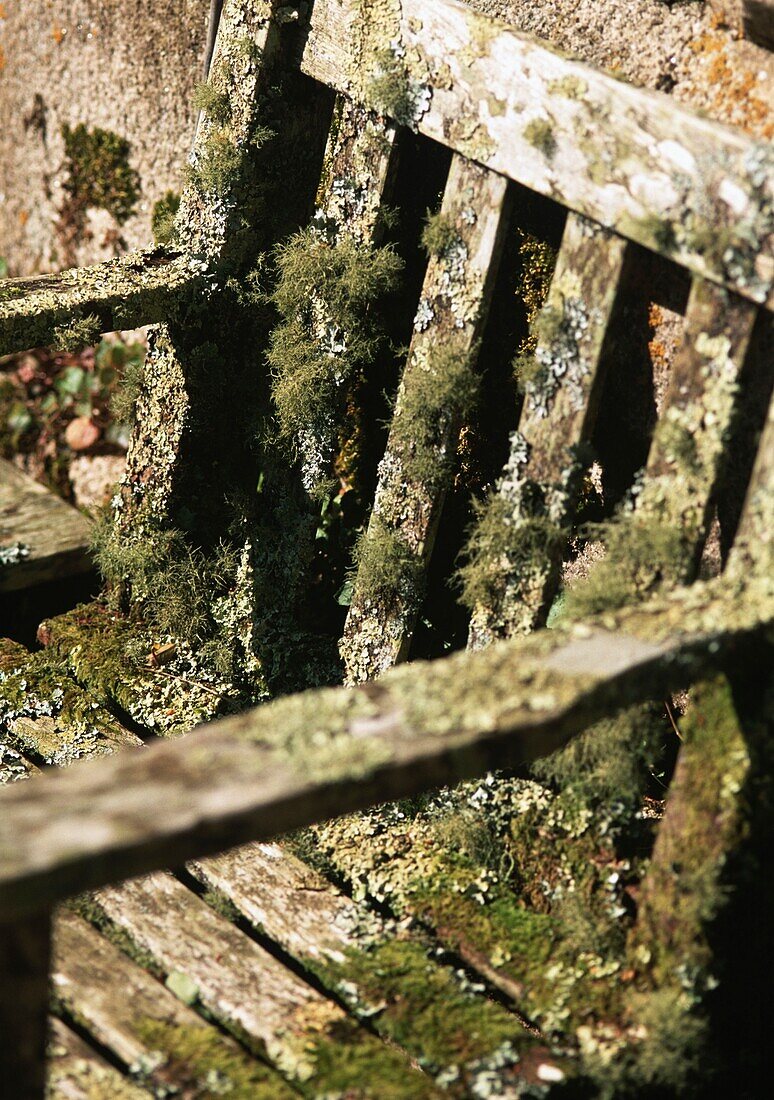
(123, 404)
(382, 562)
(80, 333)
(389, 90)
(498, 546)
(98, 173)
(422, 1007)
(642, 556)
(200, 1060)
(439, 234)
(163, 218)
(328, 295)
(540, 133)
(222, 905)
(346, 1064)
(214, 102)
(217, 165)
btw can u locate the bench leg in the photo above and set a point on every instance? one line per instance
(25, 950)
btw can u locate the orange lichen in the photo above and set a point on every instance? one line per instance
(733, 86)
(59, 34)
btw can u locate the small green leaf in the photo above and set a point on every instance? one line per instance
(70, 380)
(183, 987)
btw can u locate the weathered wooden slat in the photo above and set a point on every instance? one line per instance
(437, 382)
(518, 550)
(209, 962)
(137, 289)
(163, 1043)
(690, 444)
(630, 159)
(324, 753)
(753, 549)
(41, 537)
(76, 1072)
(25, 951)
(385, 975)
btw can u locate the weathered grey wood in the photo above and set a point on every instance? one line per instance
(161, 1041)
(323, 753)
(134, 290)
(416, 470)
(630, 159)
(384, 974)
(42, 537)
(690, 444)
(76, 1072)
(25, 951)
(253, 995)
(753, 549)
(546, 463)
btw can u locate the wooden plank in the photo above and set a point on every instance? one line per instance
(518, 547)
(41, 537)
(632, 160)
(25, 949)
(438, 380)
(690, 444)
(207, 960)
(357, 176)
(325, 753)
(753, 549)
(133, 290)
(385, 975)
(76, 1072)
(163, 1043)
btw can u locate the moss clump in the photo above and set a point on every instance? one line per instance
(98, 173)
(642, 555)
(82, 332)
(198, 1061)
(87, 906)
(439, 234)
(214, 102)
(123, 403)
(163, 218)
(540, 133)
(389, 90)
(382, 562)
(217, 165)
(500, 546)
(328, 294)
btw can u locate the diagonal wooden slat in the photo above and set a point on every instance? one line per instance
(252, 994)
(632, 160)
(518, 550)
(157, 1037)
(140, 288)
(753, 549)
(438, 382)
(77, 1072)
(324, 753)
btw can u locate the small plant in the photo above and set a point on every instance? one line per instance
(163, 218)
(213, 102)
(78, 334)
(439, 234)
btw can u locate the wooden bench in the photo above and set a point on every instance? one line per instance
(284, 976)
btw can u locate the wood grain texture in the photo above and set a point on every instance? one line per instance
(632, 160)
(324, 753)
(547, 461)
(145, 1026)
(52, 537)
(416, 470)
(251, 993)
(137, 289)
(77, 1072)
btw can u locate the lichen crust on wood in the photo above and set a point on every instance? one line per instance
(625, 157)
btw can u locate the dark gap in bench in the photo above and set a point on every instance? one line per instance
(21, 612)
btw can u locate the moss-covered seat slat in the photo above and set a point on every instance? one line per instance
(77, 1072)
(385, 973)
(158, 1038)
(73, 308)
(273, 1012)
(627, 158)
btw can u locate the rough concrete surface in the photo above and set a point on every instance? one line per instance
(130, 66)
